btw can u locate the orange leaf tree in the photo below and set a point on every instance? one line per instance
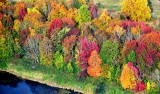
(94, 63)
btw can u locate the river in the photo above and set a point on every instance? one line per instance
(11, 84)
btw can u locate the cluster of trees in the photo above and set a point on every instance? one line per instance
(83, 39)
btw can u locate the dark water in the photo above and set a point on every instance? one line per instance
(10, 84)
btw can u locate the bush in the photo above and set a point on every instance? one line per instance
(58, 60)
(136, 10)
(109, 52)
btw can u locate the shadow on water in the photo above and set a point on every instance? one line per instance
(11, 84)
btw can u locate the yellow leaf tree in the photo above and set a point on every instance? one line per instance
(136, 10)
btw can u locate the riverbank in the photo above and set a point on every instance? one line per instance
(61, 79)
(37, 77)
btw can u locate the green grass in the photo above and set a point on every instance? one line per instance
(61, 78)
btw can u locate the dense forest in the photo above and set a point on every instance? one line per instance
(78, 43)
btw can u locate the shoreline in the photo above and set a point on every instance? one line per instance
(41, 81)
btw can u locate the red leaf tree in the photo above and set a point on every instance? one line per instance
(85, 51)
(55, 24)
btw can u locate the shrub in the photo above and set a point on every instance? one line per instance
(69, 67)
(46, 53)
(94, 63)
(136, 10)
(58, 60)
(109, 52)
(84, 14)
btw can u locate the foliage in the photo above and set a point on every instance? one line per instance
(29, 10)
(83, 14)
(68, 22)
(23, 36)
(100, 37)
(75, 4)
(68, 48)
(73, 31)
(136, 10)
(55, 24)
(72, 13)
(44, 6)
(84, 54)
(131, 57)
(57, 11)
(94, 62)
(58, 60)
(16, 26)
(33, 20)
(46, 53)
(69, 67)
(3, 50)
(129, 76)
(22, 13)
(93, 10)
(57, 36)
(109, 52)
(69, 37)
(103, 21)
(17, 8)
(146, 51)
(31, 48)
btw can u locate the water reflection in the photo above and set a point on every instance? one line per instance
(10, 84)
(22, 88)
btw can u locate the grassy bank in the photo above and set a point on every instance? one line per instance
(61, 79)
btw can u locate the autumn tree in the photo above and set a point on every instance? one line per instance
(68, 47)
(94, 63)
(46, 53)
(136, 10)
(86, 47)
